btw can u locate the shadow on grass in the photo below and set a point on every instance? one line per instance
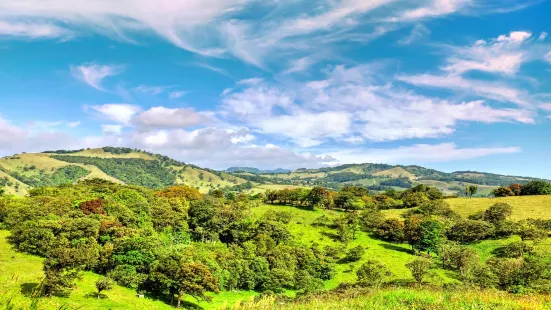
(332, 235)
(95, 295)
(395, 248)
(29, 289)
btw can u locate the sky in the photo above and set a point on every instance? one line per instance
(447, 84)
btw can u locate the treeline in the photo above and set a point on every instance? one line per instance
(63, 151)
(148, 173)
(529, 189)
(354, 197)
(167, 243)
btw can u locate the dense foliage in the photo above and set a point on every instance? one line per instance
(39, 178)
(169, 243)
(529, 189)
(148, 173)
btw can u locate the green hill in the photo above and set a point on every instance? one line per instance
(380, 177)
(20, 172)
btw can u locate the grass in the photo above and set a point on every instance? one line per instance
(524, 207)
(407, 298)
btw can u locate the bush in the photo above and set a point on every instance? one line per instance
(391, 230)
(514, 249)
(419, 268)
(355, 254)
(470, 231)
(498, 213)
(536, 188)
(372, 273)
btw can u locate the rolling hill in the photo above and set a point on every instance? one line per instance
(379, 177)
(19, 173)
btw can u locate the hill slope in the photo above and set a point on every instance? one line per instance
(18, 173)
(379, 177)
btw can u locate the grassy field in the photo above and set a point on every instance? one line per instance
(397, 172)
(523, 206)
(407, 299)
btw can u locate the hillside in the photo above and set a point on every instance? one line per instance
(18, 173)
(380, 177)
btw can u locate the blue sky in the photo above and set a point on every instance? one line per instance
(447, 84)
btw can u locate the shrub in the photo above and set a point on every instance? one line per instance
(391, 230)
(498, 213)
(470, 231)
(372, 273)
(355, 254)
(419, 268)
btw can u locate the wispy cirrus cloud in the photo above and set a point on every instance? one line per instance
(94, 74)
(33, 30)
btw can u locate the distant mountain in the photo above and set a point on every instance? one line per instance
(256, 170)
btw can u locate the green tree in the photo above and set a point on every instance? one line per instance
(195, 279)
(498, 213)
(103, 284)
(419, 268)
(536, 188)
(373, 273)
(430, 233)
(470, 231)
(391, 230)
(471, 190)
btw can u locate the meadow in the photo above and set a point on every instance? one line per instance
(524, 207)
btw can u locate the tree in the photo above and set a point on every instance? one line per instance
(103, 284)
(536, 188)
(2, 191)
(412, 231)
(419, 269)
(319, 197)
(471, 190)
(470, 231)
(516, 189)
(391, 230)
(195, 279)
(372, 273)
(498, 213)
(503, 192)
(430, 232)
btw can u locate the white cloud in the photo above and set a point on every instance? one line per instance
(421, 153)
(94, 74)
(183, 23)
(119, 112)
(491, 90)
(161, 117)
(176, 94)
(112, 129)
(73, 124)
(504, 54)
(434, 8)
(307, 129)
(353, 104)
(152, 90)
(542, 36)
(547, 57)
(32, 30)
(418, 32)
